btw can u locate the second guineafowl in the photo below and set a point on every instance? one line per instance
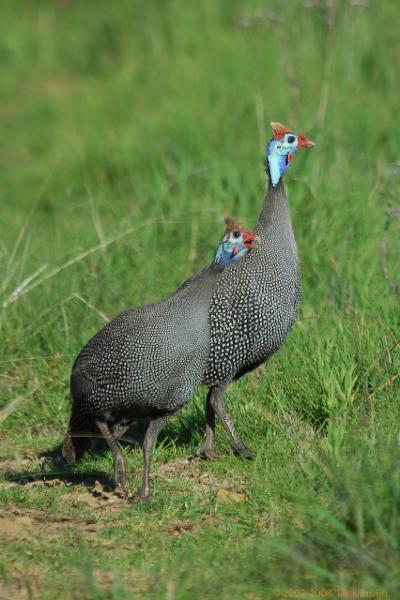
(256, 300)
(147, 362)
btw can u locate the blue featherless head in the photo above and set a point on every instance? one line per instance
(281, 149)
(236, 243)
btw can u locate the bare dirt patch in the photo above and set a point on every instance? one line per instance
(190, 471)
(31, 481)
(20, 523)
(224, 495)
(100, 497)
(181, 526)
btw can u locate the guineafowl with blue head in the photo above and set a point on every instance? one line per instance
(256, 301)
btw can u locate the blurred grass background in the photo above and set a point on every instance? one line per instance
(129, 131)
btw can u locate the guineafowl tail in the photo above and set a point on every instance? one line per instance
(77, 439)
(74, 447)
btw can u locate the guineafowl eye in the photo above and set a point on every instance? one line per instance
(291, 139)
(235, 233)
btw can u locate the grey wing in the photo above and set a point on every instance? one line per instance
(102, 360)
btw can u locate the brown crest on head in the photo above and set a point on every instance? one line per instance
(279, 130)
(232, 223)
(249, 238)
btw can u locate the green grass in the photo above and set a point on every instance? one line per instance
(145, 123)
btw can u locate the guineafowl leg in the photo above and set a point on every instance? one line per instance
(118, 459)
(154, 428)
(206, 449)
(217, 403)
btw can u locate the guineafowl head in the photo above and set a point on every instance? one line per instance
(236, 242)
(280, 150)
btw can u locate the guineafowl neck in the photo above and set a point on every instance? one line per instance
(273, 226)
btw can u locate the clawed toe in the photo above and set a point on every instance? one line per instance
(210, 454)
(121, 489)
(206, 453)
(244, 452)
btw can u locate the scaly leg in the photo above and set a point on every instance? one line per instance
(217, 403)
(154, 428)
(207, 448)
(118, 459)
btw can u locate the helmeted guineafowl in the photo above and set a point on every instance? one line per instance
(147, 362)
(256, 301)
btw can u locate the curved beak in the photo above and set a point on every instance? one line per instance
(304, 142)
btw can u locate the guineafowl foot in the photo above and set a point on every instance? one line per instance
(215, 404)
(205, 451)
(244, 451)
(143, 496)
(122, 492)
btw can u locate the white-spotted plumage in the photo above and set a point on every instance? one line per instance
(256, 301)
(217, 326)
(148, 361)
